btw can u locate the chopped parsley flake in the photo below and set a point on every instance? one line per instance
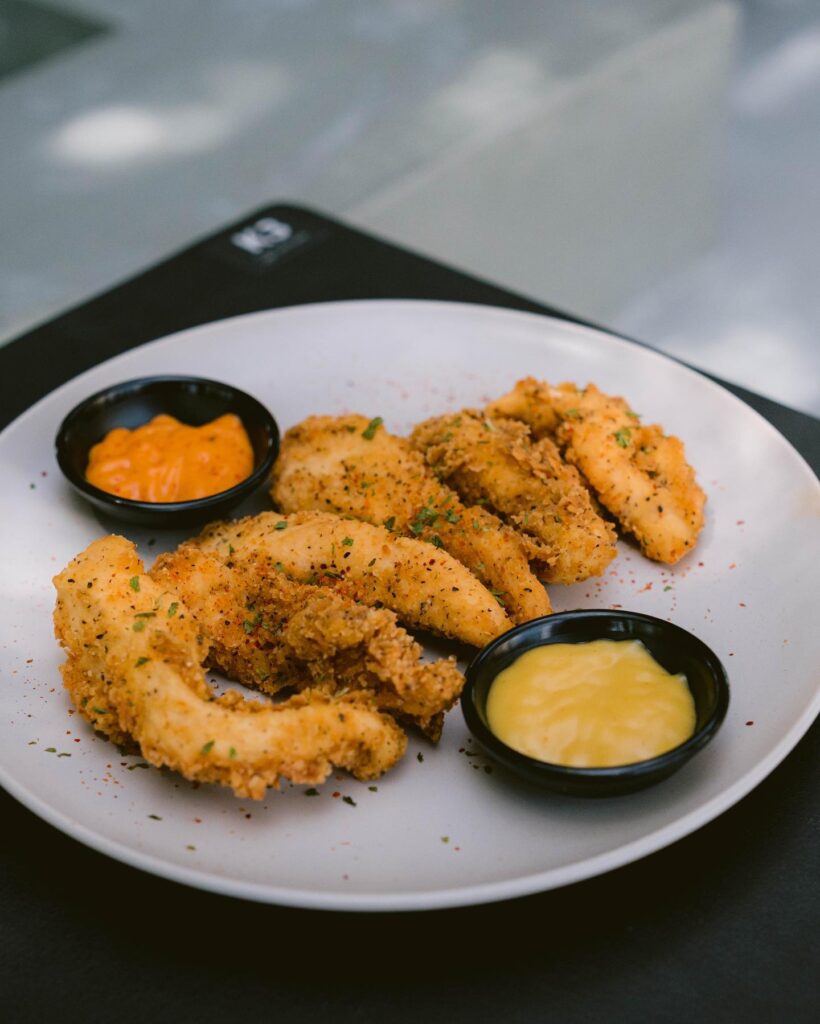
(232, 753)
(437, 542)
(369, 431)
(155, 817)
(390, 523)
(141, 661)
(347, 542)
(139, 626)
(134, 582)
(281, 525)
(445, 839)
(207, 747)
(420, 757)
(100, 711)
(279, 567)
(451, 517)
(373, 789)
(349, 800)
(623, 436)
(371, 563)
(172, 609)
(426, 516)
(51, 750)
(311, 792)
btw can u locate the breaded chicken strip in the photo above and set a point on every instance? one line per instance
(493, 460)
(272, 633)
(637, 472)
(423, 585)
(353, 466)
(134, 669)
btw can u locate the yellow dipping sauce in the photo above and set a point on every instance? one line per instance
(166, 460)
(590, 705)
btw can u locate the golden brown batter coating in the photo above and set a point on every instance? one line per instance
(637, 472)
(272, 633)
(134, 669)
(424, 585)
(494, 460)
(346, 465)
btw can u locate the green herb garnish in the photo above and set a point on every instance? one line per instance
(369, 431)
(134, 582)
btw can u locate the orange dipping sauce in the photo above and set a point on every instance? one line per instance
(166, 460)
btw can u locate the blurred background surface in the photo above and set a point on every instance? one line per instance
(649, 164)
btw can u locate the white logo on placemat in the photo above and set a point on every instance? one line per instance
(262, 236)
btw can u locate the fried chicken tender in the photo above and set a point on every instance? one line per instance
(134, 670)
(530, 485)
(344, 464)
(424, 586)
(272, 633)
(637, 472)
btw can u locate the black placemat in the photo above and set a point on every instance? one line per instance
(717, 927)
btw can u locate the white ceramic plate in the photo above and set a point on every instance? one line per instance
(443, 828)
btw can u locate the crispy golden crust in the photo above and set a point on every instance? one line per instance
(494, 460)
(135, 652)
(637, 472)
(337, 464)
(272, 633)
(423, 585)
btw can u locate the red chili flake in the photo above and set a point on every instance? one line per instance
(247, 815)
(616, 606)
(742, 604)
(648, 586)
(750, 722)
(29, 660)
(76, 739)
(701, 564)
(197, 821)
(740, 522)
(733, 565)
(336, 794)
